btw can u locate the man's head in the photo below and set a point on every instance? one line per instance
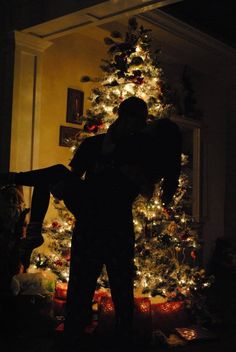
(132, 117)
(133, 108)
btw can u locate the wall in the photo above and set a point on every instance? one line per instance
(230, 194)
(64, 63)
(211, 96)
(216, 96)
(213, 102)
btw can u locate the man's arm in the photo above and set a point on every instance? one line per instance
(135, 173)
(78, 166)
(171, 180)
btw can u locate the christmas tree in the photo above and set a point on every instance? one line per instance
(167, 243)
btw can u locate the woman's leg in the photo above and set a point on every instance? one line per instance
(41, 177)
(48, 175)
(42, 180)
(34, 238)
(69, 188)
(56, 179)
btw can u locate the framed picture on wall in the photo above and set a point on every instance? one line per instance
(68, 136)
(75, 105)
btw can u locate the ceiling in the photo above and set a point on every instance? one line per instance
(214, 17)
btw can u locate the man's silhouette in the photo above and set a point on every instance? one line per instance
(104, 232)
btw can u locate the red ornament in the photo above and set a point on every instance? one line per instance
(166, 212)
(193, 255)
(58, 262)
(56, 224)
(92, 128)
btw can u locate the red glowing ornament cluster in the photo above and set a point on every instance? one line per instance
(148, 316)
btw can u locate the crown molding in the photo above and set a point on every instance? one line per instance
(96, 15)
(182, 42)
(31, 42)
(188, 33)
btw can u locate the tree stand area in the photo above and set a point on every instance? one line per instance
(33, 304)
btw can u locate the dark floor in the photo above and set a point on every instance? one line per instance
(225, 341)
(26, 331)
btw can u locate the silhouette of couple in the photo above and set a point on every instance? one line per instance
(107, 172)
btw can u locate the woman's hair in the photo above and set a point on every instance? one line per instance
(168, 145)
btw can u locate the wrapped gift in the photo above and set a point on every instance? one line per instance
(37, 283)
(34, 301)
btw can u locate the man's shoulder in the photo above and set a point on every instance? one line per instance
(91, 143)
(90, 146)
